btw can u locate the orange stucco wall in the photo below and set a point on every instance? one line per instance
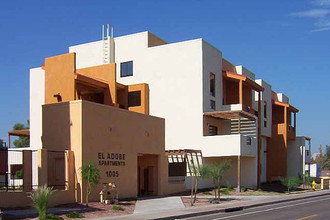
(144, 88)
(105, 73)
(59, 77)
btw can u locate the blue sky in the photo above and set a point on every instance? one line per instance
(286, 43)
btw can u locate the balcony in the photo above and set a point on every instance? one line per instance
(240, 107)
(229, 145)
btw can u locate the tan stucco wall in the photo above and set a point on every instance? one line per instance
(144, 107)
(93, 130)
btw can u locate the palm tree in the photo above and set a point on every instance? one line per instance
(40, 199)
(216, 173)
(91, 173)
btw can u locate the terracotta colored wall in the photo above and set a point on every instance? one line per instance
(247, 95)
(144, 88)
(231, 92)
(277, 145)
(105, 73)
(59, 77)
(211, 121)
(153, 40)
(227, 66)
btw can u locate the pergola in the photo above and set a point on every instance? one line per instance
(18, 133)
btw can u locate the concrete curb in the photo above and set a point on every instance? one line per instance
(238, 208)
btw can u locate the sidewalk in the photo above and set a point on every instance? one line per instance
(246, 202)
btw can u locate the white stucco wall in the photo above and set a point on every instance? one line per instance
(266, 95)
(243, 71)
(296, 158)
(263, 159)
(37, 99)
(178, 78)
(282, 98)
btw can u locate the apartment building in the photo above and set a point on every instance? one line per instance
(212, 108)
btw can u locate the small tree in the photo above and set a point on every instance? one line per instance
(40, 199)
(90, 173)
(291, 182)
(216, 173)
(21, 141)
(194, 183)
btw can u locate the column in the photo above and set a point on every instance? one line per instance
(27, 170)
(240, 92)
(239, 174)
(42, 167)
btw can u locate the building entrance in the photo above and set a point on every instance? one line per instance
(147, 175)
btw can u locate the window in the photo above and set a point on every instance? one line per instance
(265, 109)
(265, 124)
(213, 130)
(134, 98)
(212, 104)
(212, 84)
(126, 69)
(248, 140)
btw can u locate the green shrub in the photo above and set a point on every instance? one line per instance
(291, 182)
(243, 189)
(226, 191)
(229, 185)
(54, 217)
(40, 199)
(19, 174)
(75, 215)
(117, 208)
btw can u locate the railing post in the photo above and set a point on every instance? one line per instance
(42, 167)
(27, 170)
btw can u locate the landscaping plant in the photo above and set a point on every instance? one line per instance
(194, 183)
(53, 217)
(291, 182)
(216, 173)
(118, 208)
(40, 199)
(75, 215)
(90, 173)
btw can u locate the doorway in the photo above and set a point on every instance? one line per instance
(147, 175)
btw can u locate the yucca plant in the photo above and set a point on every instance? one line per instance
(40, 199)
(91, 173)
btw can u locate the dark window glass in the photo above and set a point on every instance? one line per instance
(265, 124)
(126, 69)
(213, 130)
(134, 98)
(212, 104)
(248, 140)
(265, 109)
(212, 84)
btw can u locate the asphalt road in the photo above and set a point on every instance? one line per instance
(305, 209)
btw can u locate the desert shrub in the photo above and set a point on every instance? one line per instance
(53, 217)
(118, 208)
(19, 174)
(40, 199)
(243, 189)
(75, 215)
(291, 182)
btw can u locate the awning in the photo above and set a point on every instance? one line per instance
(25, 133)
(231, 114)
(255, 86)
(290, 107)
(90, 81)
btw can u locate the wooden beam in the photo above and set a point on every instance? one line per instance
(240, 92)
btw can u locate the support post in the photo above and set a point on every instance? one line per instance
(42, 167)
(27, 170)
(259, 141)
(240, 92)
(294, 122)
(8, 140)
(239, 125)
(239, 174)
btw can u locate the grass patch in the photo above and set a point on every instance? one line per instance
(118, 208)
(75, 215)
(207, 193)
(53, 217)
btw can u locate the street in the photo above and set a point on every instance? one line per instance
(311, 208)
